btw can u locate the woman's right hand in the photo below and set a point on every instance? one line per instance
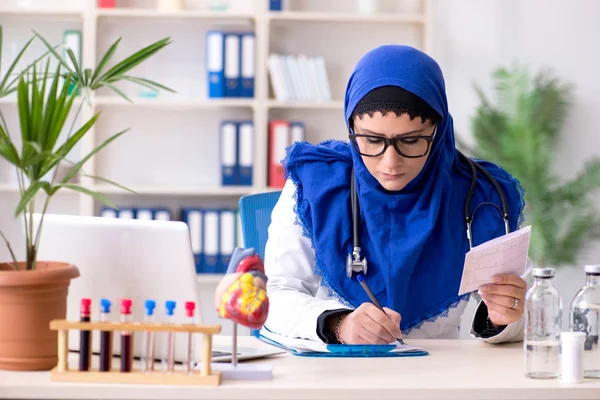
(369, 325)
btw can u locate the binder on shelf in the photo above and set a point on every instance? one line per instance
(245, 152)
(106, 3)
(248, 64)
(215, 63)
(72, 40)
(239, 239)
(279, 140)
(107, 212)
(227, 238)
(297, 132)
(229, 150)
(144, 214)
(275, 5)
(211, 242)
(194, 218)
(126, 213)
(162, 214)
(232, 65)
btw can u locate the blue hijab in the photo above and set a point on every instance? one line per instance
(414, 239)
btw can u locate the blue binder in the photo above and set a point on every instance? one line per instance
(162, 214)
(211, 241)
(229, 153)
(127, 213)
(108, 212)
(232, 65)
(297, 133)
(227, 225)
(245, 153)
(144, 213)
(275, 5)
(247, 64)
(215, 63)
(193, 217)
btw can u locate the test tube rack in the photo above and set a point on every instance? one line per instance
(203, 377)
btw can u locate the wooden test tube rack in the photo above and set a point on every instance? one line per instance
(205, 376)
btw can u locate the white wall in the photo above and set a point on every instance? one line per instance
(472, 37)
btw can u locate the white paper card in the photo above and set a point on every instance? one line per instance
(506, 254)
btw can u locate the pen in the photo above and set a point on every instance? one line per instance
(363, 283)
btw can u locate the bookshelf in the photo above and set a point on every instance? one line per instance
(170, 155)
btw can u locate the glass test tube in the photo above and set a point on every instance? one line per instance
(126, 351)
(105, 337)
(189, 345)
(168, 347)
(85, 349)
(148, 338)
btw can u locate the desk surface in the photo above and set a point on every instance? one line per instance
(455, 369)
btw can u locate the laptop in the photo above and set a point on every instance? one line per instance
(135, 259)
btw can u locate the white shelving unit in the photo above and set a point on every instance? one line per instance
(157, 160)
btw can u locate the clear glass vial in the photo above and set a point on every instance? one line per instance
(584, 317)
(543, 317)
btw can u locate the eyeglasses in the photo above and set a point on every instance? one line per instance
(407, 146)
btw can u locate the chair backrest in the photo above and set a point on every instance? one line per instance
(255, 214)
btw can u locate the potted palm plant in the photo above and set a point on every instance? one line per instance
(32, 291)
(519, 129)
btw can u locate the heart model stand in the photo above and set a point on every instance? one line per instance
(242, 298)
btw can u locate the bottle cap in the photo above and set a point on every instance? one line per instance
(592, 269)
(126, 306)
(105, 305)
(189, 308)
(85, 305)
(573, 336)
(150, 305)
(543, 272)
(170, 306)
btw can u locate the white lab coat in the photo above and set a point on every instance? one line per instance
(296, 297)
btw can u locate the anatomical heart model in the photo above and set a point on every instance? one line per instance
(241, 295)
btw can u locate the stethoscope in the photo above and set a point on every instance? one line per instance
(355, 264)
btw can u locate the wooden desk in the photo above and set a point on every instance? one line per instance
(455, 370)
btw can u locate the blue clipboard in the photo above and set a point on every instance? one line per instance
(348, 350)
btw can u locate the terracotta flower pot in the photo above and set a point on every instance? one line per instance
(29, 300)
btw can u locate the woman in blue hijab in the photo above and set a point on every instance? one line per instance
(411, 189)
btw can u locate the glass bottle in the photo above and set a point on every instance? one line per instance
(541, 342)
(584, 317)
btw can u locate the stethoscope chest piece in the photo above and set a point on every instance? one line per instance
(355, 265)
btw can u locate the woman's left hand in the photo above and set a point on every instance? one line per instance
(505, 298)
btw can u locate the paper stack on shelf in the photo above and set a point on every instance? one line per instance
(299, 78)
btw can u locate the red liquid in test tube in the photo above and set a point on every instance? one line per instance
(85, 350)
(126, 351)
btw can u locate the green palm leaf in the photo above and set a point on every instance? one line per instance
(519, 130)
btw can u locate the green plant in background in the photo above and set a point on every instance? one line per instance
(520, 132)
(45, 97)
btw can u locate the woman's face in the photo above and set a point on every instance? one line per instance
(392, 170)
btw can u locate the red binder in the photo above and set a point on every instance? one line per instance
(106, 3)
(279, 140)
